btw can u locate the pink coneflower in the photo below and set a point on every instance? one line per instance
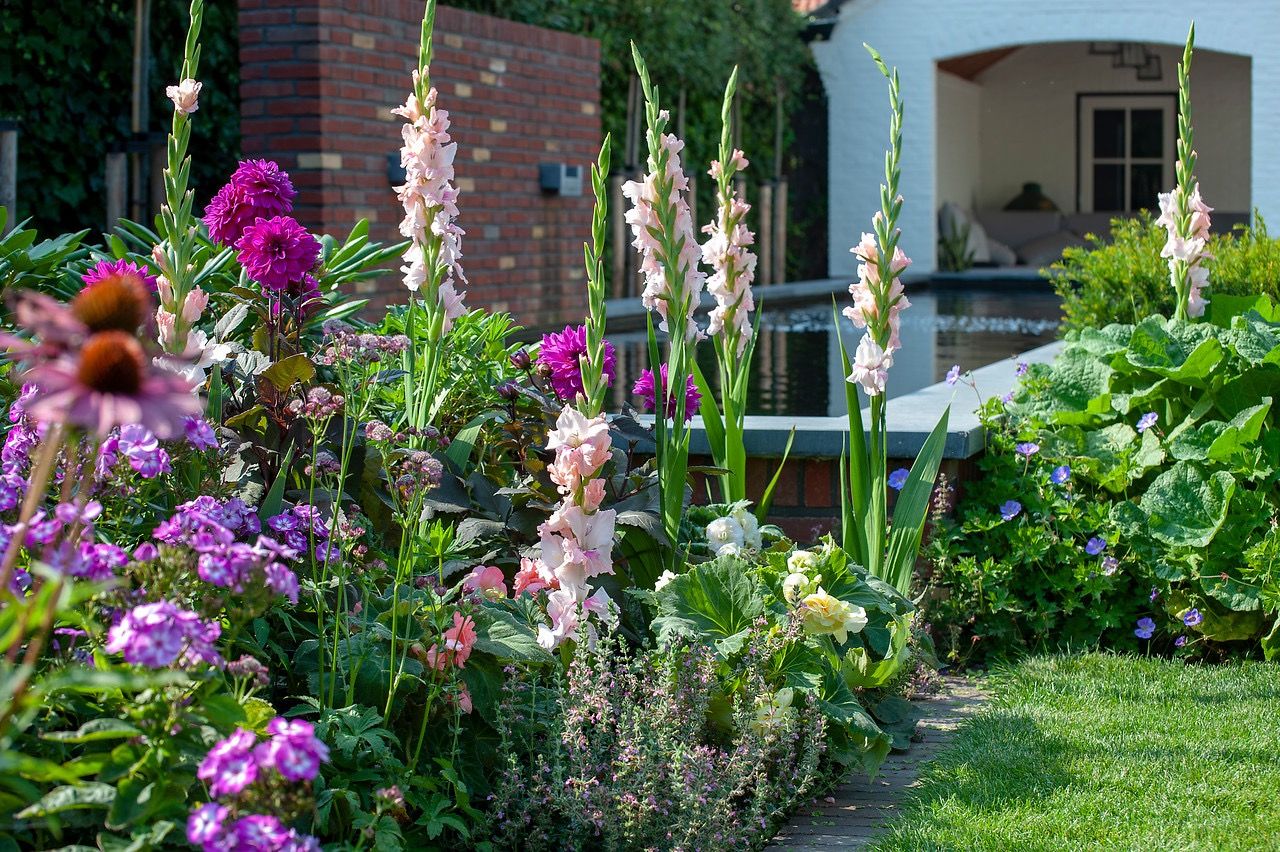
(561, 351)
(105, 270)
(110, 382)
(645, 390)
(277, 252)
(257, 189)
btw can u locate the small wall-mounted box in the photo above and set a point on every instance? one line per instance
(560, 179)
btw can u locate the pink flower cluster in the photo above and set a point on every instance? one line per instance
(232, 769)
(877, 306)
(648, 393)
(430, 202)
(577, 540)
(1185, 248)
(648, 211)
(733, 265)
(160, 634)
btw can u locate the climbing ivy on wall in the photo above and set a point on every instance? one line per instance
(66, 74)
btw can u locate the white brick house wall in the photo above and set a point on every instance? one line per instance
(914, 34)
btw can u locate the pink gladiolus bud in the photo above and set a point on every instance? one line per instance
(194, 305)
(166, 323)
(185, 96)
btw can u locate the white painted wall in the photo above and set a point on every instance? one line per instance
(914, 34)
(959, 123)
(1029, 120)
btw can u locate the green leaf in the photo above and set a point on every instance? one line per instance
(273, 502)
(1181, 351)
(97, 729)
(1185, 508)
(1078, 387)
(289, 372)
(715, 602)
(500, 634)
(89, 795)
(912, 506)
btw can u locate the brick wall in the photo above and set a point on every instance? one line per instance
(317, 85)
(806, 500)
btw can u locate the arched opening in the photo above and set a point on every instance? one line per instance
(1039, 144)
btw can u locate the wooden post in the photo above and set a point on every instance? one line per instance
(765, 266)
(780, 232)
(140, 106)
(9, 173)
(618, 238)
(159, 160)
(692, 197)
(117, 187)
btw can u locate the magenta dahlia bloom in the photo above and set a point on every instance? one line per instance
(561, 351)
(645, 390)
(277, 252)
(117, 269)
(258, 189)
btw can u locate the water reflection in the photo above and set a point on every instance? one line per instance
(796, 370)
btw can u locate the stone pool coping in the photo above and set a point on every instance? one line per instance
(911, 418)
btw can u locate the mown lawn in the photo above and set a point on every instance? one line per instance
(1108, 752)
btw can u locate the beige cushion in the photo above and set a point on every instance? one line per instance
(1044, 250)
(1001, 254)
(1015, 227)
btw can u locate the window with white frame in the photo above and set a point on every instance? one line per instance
(1127, 146)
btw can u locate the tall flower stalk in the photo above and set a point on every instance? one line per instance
(432, 263)
(181, 302)
(663, 232)
(887, 552)
(577, 540)
(733, 267)
(1183, 212)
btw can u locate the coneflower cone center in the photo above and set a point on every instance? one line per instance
(112, 362)
(118, 303)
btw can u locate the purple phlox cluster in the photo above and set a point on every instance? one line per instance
(258, 189)
(1061, 474)
(1146, 421)
(953, 375)
(1027, 449)
(208, 828)
(898, 478)
(302, 526)
(1021, 369)
(1192, 617)
(644, 388)
(160, 634)
(1110, 565)
(1095, 545)
(1146, 628)
(15, 456)
(143, 450)
(292, 752)
(218, 532)
(320, 404)
(200, 434)
(277, 252)
(95, 562)
(1010, 509)
(346, 345)
(561, 352)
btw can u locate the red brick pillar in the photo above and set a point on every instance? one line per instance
(317, 85)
